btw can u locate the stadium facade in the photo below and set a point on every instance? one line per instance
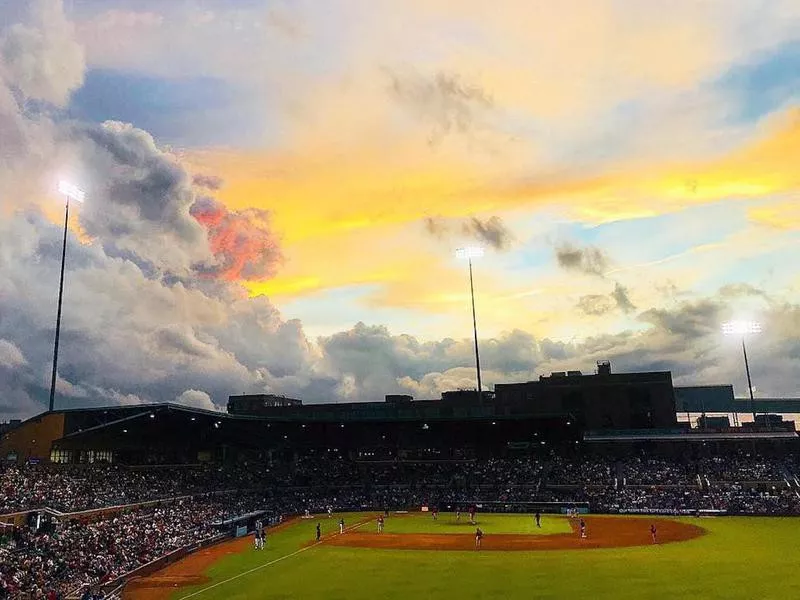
(609, 411)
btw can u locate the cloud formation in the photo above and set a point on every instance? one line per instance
(588, 260)
(491, 232)
(442, 100)
(156, 308)
(210, 182)
(243, 243)
(623, 301)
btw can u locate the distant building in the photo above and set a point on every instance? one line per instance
(9, 425)
(398, 398)
(600, 401)
(255, 404)
(705, 422)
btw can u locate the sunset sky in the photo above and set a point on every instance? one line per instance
(276, 189)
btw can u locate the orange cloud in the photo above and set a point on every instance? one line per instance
(242, 242)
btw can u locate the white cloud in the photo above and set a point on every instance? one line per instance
(196, 399)
(11, 356)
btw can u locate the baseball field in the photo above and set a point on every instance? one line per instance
(418, 557)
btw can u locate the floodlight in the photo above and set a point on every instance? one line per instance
(469, 252)
(71, 191)
(741, 327)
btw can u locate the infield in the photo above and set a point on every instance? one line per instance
(603, 532)
(738, 558)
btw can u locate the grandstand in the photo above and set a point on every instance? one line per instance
(174, 478)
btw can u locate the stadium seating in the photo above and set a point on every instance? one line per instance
(75, 548)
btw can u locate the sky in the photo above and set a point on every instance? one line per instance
(275, 191)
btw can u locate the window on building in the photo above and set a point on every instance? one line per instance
(105, 456)
(61, 456)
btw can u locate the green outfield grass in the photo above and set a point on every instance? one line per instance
(740, 558)
(490, 523)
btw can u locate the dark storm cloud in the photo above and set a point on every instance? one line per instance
(588, 260)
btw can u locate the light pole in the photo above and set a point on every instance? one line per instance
(70, 192)
(469, 253)
(742, 329)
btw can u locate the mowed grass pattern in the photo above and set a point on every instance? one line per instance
(740, 558)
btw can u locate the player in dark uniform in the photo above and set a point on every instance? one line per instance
(319, 532)
(478, 537)
(258, 537)
(654, 533)
(538, 517)
(583, 529)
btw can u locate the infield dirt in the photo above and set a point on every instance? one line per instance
(602, 532)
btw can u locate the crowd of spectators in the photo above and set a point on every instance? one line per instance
(76, 488)
(62, 556)
(45, 562)
(581, 470)
(743, 466)
(69, 488)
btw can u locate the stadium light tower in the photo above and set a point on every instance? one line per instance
(469, 253)
(70, 192)
(743, 329)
